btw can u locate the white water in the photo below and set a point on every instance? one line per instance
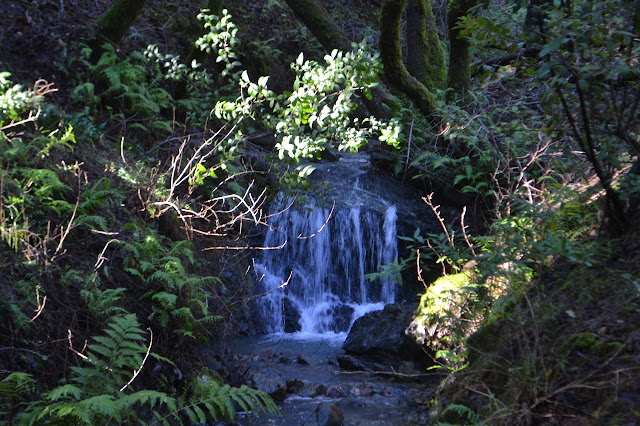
(315, 286)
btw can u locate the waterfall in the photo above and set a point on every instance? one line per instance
(315, 283)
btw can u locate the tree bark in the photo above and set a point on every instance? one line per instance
(114, 24)
(322, 26)
(425, 58)
(459, 60)
(391, 55)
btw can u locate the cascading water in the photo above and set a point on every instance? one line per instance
(315, 283)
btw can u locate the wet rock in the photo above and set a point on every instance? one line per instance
(320, 390)
(342, 315)
(351, 402)
(291, 317)
(338, 391)
(308, 390)
(295, 386)
(380, 337)
(326, 415)
(271, 382)
(300, 360)
(351, 363)
(285, 359)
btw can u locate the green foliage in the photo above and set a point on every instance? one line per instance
(32, 193)
(585, 70)
(96, 392)
(14, 100)
(318, 109)
(132, 89)
(590, 65)
(210, 399)
(469, 416)
(180, 299)
(222, 38)
(13, 391)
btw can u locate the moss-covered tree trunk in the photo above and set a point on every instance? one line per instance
(391, 55)
(425, 58)
(114, 24)
(459, 60)
(315, 17)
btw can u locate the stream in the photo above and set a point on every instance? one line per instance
(314, 380)
(313, 288)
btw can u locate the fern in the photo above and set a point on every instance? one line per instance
(13, 390)
(166, 300)
(93, 222)
(211, 400)
(462, 411)
(180, 298)
(118, 353)
(95, 395)
(98, 195)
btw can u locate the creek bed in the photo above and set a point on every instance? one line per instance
(307, 363)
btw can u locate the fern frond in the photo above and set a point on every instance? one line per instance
(182, 248)
(163, 318)
(167, 277)
(62, 391)
(15, 383)
(166, 300)
(65, 410)
(219, 400)
(103, 405)
(134, 272)
(93, 222)
(150, 397)
(463, 411)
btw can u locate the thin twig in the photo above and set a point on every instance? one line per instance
(40, 306)
(136, 372)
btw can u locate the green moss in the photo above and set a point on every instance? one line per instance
(391, 55)
(585, 341)
(440, 298)
(425, 59)
(318, 20)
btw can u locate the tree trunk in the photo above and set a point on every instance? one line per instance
(391, 55)
(114, 24)
(425, 58)
(322, 26)
(459, 61)
(534, 20)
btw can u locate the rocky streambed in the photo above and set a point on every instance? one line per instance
(303, 375)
